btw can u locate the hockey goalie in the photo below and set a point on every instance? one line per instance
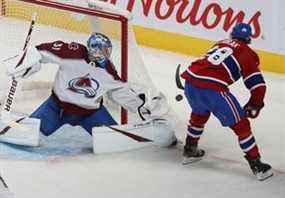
(85, 75)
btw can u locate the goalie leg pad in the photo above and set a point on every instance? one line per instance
(22, 131)
(108, 139)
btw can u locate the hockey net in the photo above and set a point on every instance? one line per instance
(58, 21)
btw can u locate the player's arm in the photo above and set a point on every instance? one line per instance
(29, 61)
(54, 52)
(111, 69)
(254, 81)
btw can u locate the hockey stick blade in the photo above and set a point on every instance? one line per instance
(178, 79)
(3, 182)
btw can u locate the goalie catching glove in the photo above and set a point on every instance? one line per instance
(154, 108)
(25, 64)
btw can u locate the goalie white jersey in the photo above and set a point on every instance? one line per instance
(80, 84)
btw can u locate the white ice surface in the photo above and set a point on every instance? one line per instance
(155, 172)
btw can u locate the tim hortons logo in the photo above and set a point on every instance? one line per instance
(210, 16)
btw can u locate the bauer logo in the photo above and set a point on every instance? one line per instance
(84, 85)
(10, 98)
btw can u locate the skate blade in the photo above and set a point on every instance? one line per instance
(190, 160)
(264, 176)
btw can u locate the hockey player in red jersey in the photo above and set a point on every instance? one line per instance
(206, 89)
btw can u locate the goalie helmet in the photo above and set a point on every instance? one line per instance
(99, 47)
(242, 31)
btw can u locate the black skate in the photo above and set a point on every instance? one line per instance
(191, 152)
(261, 170)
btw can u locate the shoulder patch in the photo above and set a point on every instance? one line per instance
(64, 50)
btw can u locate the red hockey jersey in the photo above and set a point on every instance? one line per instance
(225, 63)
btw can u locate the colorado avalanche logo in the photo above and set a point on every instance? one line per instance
(84, 85)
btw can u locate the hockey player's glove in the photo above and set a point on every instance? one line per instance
(252, 110)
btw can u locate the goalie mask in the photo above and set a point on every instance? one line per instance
(99, 47)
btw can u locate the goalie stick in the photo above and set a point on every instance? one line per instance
(11, 125)
(133, 136)
(5, 114)
(22, 131)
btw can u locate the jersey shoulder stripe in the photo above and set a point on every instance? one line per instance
(64, 50)
(233, 66)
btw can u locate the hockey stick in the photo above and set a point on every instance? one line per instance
(130, 135)
(4, 191)
(22, 131)
(177, 78)
(3, 182)
(179, 85)
(5, 113)
(11, 125)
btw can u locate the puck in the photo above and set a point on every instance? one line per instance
(179, 97)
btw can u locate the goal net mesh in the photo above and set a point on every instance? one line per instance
(56, 21)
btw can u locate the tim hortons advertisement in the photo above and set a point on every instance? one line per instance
(206, 19)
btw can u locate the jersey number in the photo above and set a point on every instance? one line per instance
(57, 45)
(217, 55)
